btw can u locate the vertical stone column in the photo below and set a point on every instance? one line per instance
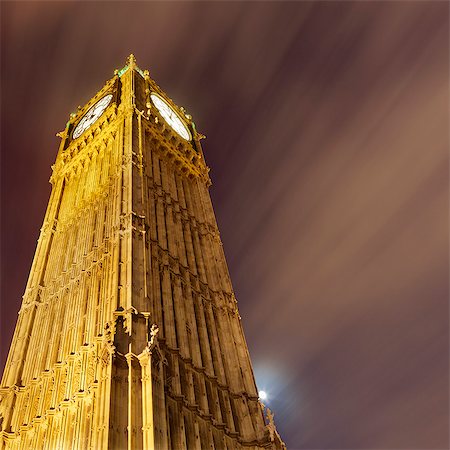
(148, 422)
(134, 401)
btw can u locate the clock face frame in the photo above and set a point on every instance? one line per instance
(171, 117)
(91, 116)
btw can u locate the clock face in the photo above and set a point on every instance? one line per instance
(171, 117)
(91, 116)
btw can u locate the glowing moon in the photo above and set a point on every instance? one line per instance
(262, 395)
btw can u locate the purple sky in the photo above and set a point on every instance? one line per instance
(327, 137)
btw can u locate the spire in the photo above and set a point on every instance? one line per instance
(130, 64)
(131, 61)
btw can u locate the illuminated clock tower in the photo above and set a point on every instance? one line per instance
(129, 336)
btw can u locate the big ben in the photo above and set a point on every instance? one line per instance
(129, 335)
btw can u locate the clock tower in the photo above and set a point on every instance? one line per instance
(129, 336)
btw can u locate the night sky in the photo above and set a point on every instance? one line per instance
(327, 137)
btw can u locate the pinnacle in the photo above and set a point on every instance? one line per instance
(131, 60)
(130, 64)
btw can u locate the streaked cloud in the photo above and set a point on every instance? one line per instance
(327, 129)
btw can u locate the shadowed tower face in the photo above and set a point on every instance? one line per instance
(129, 336)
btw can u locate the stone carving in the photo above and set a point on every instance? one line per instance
(153, 334)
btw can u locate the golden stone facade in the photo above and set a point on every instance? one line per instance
(129, 336)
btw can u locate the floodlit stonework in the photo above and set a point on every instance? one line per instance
(129, 336)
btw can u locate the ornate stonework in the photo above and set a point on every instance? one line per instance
(129, 336)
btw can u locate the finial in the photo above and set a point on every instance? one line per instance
(183, 110)
(131, 60)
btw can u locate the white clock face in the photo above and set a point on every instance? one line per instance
(92, 115)
(171, 117)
